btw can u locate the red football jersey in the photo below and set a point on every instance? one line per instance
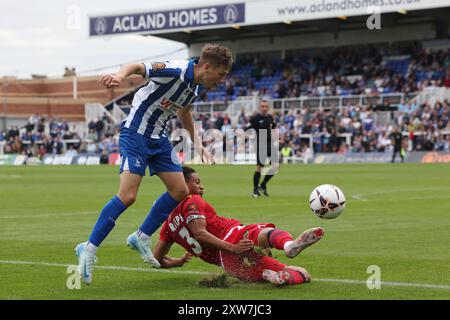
(175, 228)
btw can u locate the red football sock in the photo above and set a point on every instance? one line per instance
(296, 277)
(277, 238)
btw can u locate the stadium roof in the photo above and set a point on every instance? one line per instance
(335, 25)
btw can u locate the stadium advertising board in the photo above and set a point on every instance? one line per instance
(436, 157)
(382, 157)
(12, 159)
(81, 159)
(261, 12)
(246, 13)
(169, 20)
(357, 157)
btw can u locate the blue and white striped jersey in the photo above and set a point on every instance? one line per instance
(170, 89)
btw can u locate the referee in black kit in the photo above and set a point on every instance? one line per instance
(397, 139)
(263, 123)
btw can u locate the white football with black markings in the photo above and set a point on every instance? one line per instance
(327, 201)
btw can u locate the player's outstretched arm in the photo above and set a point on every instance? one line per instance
(160, 252)
(114, 80)
(198, 229)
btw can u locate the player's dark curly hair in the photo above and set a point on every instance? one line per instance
(187, 172)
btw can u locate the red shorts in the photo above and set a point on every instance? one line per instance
(248, 267)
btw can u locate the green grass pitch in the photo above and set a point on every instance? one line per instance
(397, 218)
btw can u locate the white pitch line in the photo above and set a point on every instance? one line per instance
(13, 176)
(388, 283)
(346, 281)
(61, 214)
(361, 196)
(58, 214)
(51, 264)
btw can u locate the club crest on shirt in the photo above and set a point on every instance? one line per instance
(166, 103)
(158, 66)
(192, 208)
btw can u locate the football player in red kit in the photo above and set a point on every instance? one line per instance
(225, 242)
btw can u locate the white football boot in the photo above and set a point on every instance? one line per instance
(143, 248)
(303, 241)
(86, 261)
(277, 278)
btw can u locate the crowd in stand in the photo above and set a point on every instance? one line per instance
(41, 136)
(351, 128)
(348, 129)
(339, 72)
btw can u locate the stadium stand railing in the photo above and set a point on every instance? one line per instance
(286, 104)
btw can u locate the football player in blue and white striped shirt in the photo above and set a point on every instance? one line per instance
(173, 87)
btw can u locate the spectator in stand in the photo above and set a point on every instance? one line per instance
(287, 151)
(447, 144)
(113, 146)
(229, 87)
(71, 151)
(91, 147)
(99, 126)
(104, 158)
(218, 123)
(242, 120)
(64, 128)
(334, 142)
(289, 119)
(53, 128)
(41, 151)
(56, 146)
(16, 146)
(264, 94)
(13, 131)
(343, 148)
(41, 126)
(447, 78)
(92, 125)
(9, 145)
(226, 125)
(306, 153)
(203, 96)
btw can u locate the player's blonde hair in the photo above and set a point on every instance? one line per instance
(216, 55)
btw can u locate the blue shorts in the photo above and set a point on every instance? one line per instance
(137, 152)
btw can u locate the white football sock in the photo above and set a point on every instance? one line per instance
(287, 244)
(143, 236)
(91, 248)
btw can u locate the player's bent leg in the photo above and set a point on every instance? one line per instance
(176, 191)
(274, 238)
(263, 238)
(303, 241)
(129, 184)
(295, 272)
(175, 184)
